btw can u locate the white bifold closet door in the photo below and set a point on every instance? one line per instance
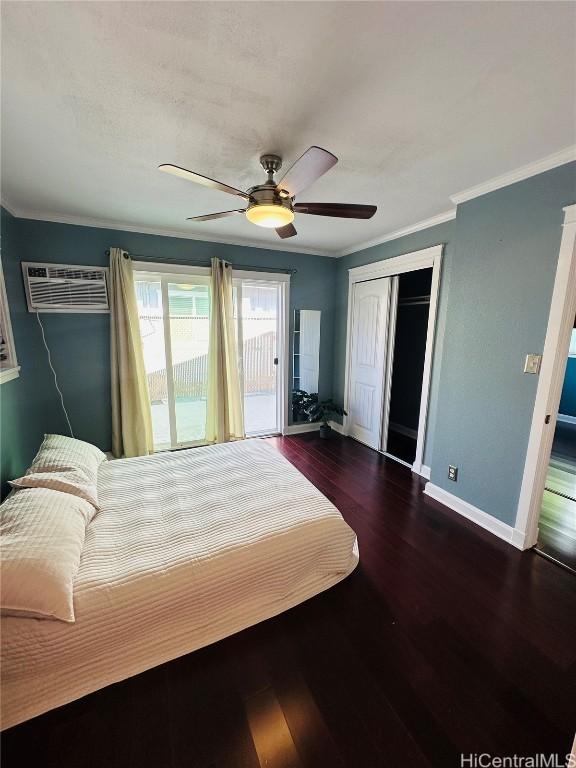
(368, 353)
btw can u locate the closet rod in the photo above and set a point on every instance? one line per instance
(206, 263)
(414, 300)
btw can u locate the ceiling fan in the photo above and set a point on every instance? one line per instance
(272, 204)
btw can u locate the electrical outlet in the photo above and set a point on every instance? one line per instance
(452, 473)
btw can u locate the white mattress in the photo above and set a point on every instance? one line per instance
(188, 547)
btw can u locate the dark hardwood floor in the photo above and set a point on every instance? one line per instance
(444, 640)
(401, 446)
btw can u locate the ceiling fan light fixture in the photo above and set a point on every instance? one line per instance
(270, 216)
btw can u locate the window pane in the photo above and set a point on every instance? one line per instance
(189, 324)
(149, 298)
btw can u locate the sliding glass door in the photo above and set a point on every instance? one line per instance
(174, 312)
(174, 322)
(258, 330)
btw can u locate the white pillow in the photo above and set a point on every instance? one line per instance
(41, 536)
(58, 450)
(65, 464)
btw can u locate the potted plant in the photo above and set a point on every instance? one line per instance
(302, 402)
(324, 411)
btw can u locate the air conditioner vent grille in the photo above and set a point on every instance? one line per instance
(46, 292)
(75, 273)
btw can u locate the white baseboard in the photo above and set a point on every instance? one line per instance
(478, 516)
(402, 430)
(424, 471)
(305, 426)
(566, 419)
(518, 539)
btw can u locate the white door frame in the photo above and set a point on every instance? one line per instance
(391, 340)
(549, 391)
(408, 262)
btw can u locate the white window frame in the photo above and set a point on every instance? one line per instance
(9, 369)
(164, 273)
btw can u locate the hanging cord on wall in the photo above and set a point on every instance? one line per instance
(54, 373)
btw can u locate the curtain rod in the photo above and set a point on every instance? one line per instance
(206, 263)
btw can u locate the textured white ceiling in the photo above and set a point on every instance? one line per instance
(418, 100)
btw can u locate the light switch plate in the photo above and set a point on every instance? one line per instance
(532, 363)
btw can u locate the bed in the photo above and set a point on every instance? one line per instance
(187, 548)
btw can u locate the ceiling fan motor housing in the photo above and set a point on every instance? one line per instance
(268, 194)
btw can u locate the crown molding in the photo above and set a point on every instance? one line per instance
(441, 218)
(80, 221)
(9, 207)
(562, 157)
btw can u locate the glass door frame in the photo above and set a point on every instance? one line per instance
(166, 273)
(282, 281)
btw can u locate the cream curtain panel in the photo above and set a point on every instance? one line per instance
(224, 414)
(131, 415)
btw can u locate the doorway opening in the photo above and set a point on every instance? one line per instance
(557, 524)
(408, 327)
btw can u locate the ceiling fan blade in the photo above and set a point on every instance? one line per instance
(221, 215)
(309, 167)
(288, 231)
(342, 210)
(175, 170)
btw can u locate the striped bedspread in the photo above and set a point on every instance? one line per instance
(188, 548)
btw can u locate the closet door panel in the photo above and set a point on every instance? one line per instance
(367, 360)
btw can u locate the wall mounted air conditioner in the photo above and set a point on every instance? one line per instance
(65, 287)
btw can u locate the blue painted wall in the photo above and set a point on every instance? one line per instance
(506, 250)
(80, 343)
(568, 399)
(498, 273)
(26, 403)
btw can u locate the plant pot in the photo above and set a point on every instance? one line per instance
(325, 431)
